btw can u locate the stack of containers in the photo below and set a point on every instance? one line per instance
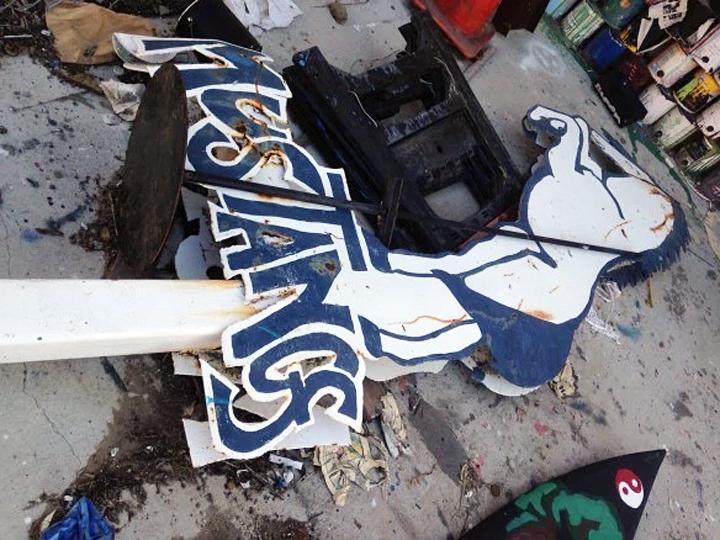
(665, 78)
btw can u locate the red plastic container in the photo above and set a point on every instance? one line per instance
(467, 23)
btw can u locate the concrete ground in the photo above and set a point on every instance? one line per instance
(656, 387)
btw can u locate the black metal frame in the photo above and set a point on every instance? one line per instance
(398, 162)
(378, 210)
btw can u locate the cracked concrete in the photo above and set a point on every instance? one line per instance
(49, 420)
(55, 414)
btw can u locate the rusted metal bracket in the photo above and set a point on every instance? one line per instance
(377, 210)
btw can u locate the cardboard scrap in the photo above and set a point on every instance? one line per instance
(83, 32)
(363, 462)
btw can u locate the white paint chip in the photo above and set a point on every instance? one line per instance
(384, 369)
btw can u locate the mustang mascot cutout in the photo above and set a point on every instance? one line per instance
(343, 297)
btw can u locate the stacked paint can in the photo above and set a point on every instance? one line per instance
(557, 9)
(618, 13)
(671, 65)
(698, 155)
(698, 92)
(673, 128)
(582, 22)
(604, 49)
(656, 63)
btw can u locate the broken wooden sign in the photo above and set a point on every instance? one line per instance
(319, 298)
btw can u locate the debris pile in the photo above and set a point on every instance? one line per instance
(362, 462)
(322, 311)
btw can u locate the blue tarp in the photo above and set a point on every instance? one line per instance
(82, 522)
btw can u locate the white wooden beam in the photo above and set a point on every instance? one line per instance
(60, 319)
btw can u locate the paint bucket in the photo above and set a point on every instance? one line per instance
(709, 187)
(652, 39)
(557, 9)
(709, 121)
(698, 155)
(707, 52)
(617, 13)
(671, 65)
(604, 49)
(656, 104)
(635, 72)
(672, 129)
(581, 23)
(698, 92)
(621, 100)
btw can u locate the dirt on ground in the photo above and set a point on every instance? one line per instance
(101, 233)
(222, 526)
(23, 30)
(146, 446)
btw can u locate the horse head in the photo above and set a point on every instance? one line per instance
(573, 194)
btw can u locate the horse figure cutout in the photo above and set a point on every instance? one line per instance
(342, 296)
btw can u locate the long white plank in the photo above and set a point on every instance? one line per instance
(60, 319)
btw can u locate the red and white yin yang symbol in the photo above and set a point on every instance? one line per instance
(629, 487)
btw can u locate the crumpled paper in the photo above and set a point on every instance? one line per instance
(363, 462)
(260, 15)
(564, 384)
(83, 32)
(396, 438)
(124, 98)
